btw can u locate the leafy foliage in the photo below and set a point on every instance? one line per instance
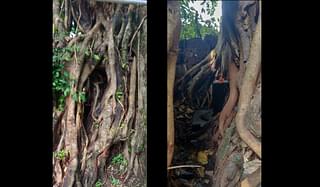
(114, 181)
(98, 183)
(60, 77)
(119, 95)
(193, 24)
(61, 155)
(79, 97)
(119, 160)
(61, 80)
(96, 57)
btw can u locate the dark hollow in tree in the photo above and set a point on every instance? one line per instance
(99, 84)
(237, 59)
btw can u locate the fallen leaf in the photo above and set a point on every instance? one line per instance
(201, 171)
(202, 157)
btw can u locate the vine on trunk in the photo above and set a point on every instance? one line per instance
(99, 79)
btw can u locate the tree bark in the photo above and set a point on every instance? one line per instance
(243, 33)
(173, 33)
(237, 58)
(108, 68)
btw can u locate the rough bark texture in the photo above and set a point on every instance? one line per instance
(107, 65)
(242, 132)
(237, 59)
(174, 26)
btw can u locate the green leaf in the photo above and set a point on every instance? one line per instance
(77, 48)
(98, 183)
(82, 98)
(66, 74)
(66, 91)
(87, 53)
(66, 57)
(75, 97)
(115, 181)
(96, 57)
(60, 154)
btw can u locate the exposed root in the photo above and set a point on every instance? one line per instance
(232, 99)
(238, 60)
(247, 90)
(88, 128)
(210, 59)
(128, 120)
(135, 33)
(203, 70)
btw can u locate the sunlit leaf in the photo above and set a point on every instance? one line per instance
(202, 157)
(96, 57)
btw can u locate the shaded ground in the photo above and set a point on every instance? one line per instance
(194, 125)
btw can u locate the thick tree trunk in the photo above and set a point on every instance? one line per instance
(100, 141)
(239, 153)
(237, 58)
(173, 33)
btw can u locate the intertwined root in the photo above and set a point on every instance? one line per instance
(113, 77)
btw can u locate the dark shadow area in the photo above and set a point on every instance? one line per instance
(194, 123)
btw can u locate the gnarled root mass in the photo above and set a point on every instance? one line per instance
(237, 59)
(244, 100)
(100, 108)
(249, 84)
